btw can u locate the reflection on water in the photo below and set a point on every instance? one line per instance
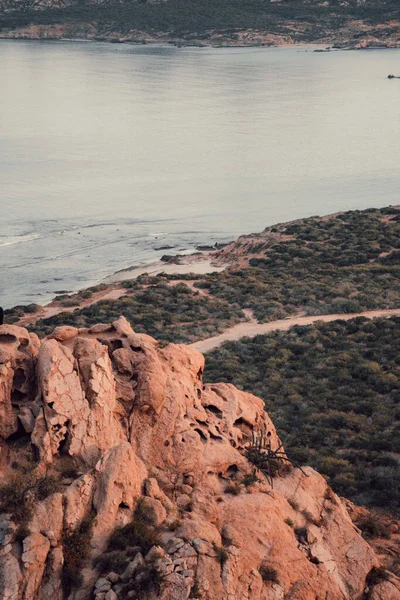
(159, 145)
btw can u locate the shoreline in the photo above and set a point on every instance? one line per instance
(190, 263)
(342, 39)
(319, 47)
(198, 263)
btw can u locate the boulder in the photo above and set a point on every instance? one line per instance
(137, 564)
(153, 510)
(18, 386)
(35, 550)
(66, 410)
(64, 333)
(119, 481)
(122, 327)
(8, 418)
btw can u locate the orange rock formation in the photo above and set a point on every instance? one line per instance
(141, 429)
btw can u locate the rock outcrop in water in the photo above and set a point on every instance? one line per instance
(123, 476)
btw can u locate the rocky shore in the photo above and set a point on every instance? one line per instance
(356, 35)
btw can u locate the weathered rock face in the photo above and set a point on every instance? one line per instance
(18, 352)
(125, 435)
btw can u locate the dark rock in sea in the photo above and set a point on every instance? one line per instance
(219, 246)
(216, 246)
(164, 247)
(205, 248)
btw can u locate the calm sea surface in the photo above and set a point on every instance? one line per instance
(108, 152)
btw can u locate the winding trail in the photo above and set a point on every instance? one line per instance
(252, 328)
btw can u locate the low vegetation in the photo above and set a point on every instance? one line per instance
(348, 263)
(268, 573)
(14, 314)
(19, 495)
(76, 551)
(373, 525)
(333, 392)
(221, 555)
(139, 532)
(332, 389)
(376, 576)
(169, 313)
(289, 522)
(124, 544)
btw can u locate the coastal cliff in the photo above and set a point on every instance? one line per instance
(124, 476)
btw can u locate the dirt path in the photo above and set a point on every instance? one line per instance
(251, 328)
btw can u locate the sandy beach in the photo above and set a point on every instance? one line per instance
(187, 265)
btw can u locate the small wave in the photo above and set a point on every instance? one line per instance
(19, 239)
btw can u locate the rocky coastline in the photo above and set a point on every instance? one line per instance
(353, 36)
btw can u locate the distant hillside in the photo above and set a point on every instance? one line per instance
(352, 23)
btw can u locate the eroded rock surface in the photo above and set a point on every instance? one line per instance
(102, 429)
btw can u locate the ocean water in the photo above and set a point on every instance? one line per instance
(109, 152)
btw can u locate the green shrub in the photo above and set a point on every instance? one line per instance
(69, 303)
(268, 573)
(372, 526)
(289, 522)
(221, 554)
(76, 550)
(195, 593)
(169, 313)
(101, 287)
(129, 284)
(47, 486)
(16, 497)
(85, 294)
(376, 575)
(22, 532)
(333, 393)
(293, 503)
(250, 479)
(137, 533)
(195, 20)
(233, 488)
(20, 493)
(115, 561)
